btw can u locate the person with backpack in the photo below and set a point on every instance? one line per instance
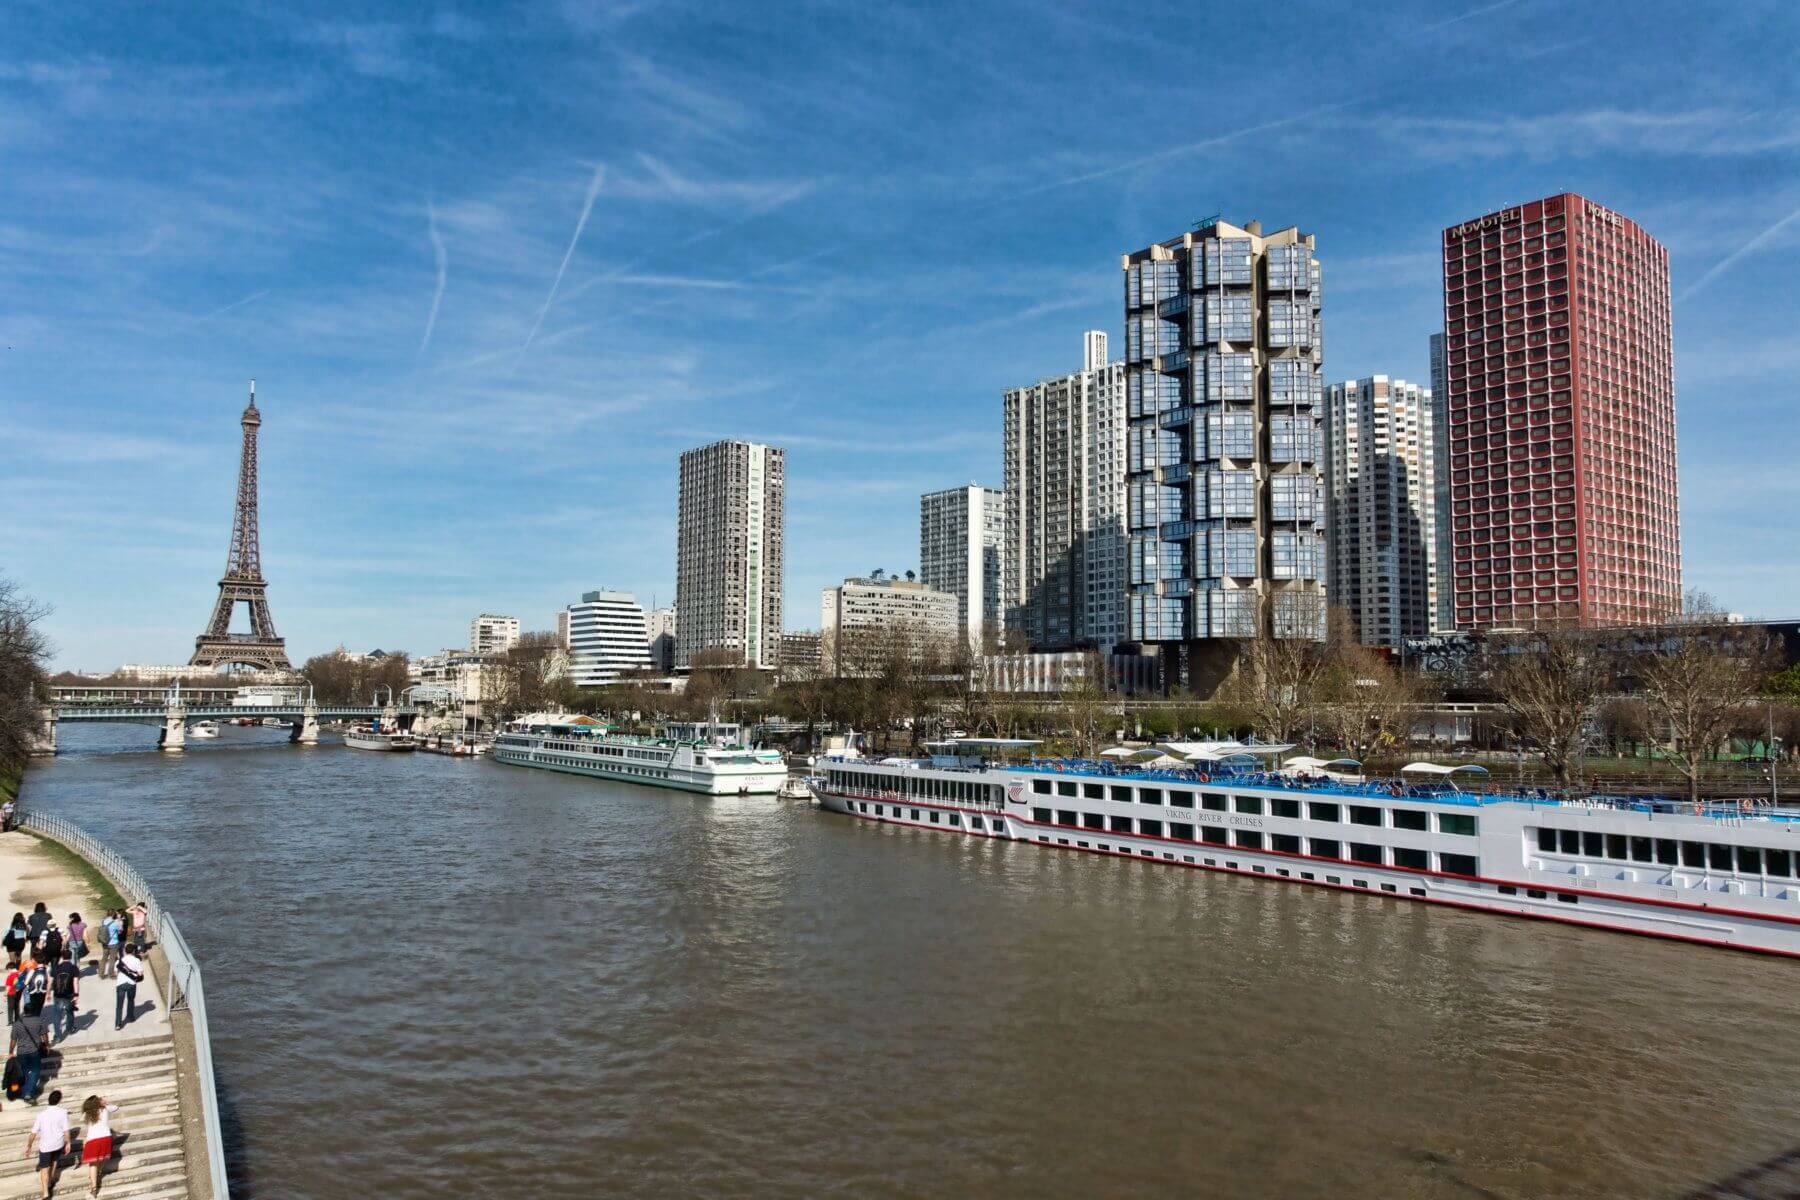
(15, 977)
(34, 984)
(30, 1038)
(65, 987)
(34, 926)
(109, 944)
(132, 968)
(50, 948)
(16, 939)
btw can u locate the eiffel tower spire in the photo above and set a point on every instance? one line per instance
(243, 581)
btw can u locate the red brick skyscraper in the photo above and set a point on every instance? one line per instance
(1561, 409)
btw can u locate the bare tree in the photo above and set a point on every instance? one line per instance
(1365, 704)
(1550, 682)
(1696, 677)
(24, 652)
(1086, 702)
(1275, 681)
(339, 677)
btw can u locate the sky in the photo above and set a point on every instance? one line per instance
(493, 267)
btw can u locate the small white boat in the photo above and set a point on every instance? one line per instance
(276, 723)
(204, 729)
(375, 739)
(797, 787)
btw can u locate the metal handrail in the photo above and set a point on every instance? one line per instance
(186, 988)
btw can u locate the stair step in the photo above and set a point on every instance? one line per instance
(133, 1148)
(117, 1185)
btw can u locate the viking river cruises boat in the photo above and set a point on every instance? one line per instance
(581, 746)
(1712, 874)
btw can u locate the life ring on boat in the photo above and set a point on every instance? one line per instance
(1202, 777)
(1395, 789)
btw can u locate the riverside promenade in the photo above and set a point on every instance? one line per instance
(158, 1135)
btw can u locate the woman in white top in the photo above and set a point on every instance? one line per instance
(96, 1138)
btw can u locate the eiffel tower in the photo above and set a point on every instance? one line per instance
(262, 647)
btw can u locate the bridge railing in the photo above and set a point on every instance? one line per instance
(186, 989)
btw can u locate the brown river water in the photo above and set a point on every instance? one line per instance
(432, 977)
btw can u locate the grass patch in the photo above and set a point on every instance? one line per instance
(11, 775)
(105, 893)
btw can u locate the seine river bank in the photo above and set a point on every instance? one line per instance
(436, 977)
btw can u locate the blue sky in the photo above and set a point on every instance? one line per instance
(495, 266)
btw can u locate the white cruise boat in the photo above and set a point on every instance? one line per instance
(377, 739)
(204, 729)
(692, 765)
(1712, 874)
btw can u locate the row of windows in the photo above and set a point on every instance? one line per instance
(925, 787)
(1373, 815)
(952, 819)
(1256, 839)
(1667, 852)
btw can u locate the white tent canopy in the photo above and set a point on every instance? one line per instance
(1219, 751)
(1303, 764)
(1121, 752)
(1441, 771)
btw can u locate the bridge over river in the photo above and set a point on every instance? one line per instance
(172, 709)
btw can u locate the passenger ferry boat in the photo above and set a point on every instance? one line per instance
(376, 739)
(711, 766)
(204, 729)
(1713, 874)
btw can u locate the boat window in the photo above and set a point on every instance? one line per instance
(1536, 893)
(1037, 814)
(1121, 824)
(1418, 860)
(1416, 891)
(1149, 828)
(1321, 812)
(1181, 832)
(1325, 848)
(1411, 818)
(1065, 787)
(1149, 795)
(1778, 862)
(1065, 817)
(1284, 842)
(1593, 845)
(1093, 820)
(1506, 889)
(1041, 786)
(1615, 846)
(1093, 791)
(1459, 823)
(1693, 854)
(1249, 804)
(1122, 795)
(1213, 834)
(1212, 802)
(934, 816)
(1640, 849)
(1363, 852)
(1718, 857)
(1181, 799)
(1749, 860)
(1459, 864)
(1284, 808)
(1388, 887)
(1666, 852)
(1361, 814)
(956, 818)
(1338, 879)
(1567, 898)
(1249, 839)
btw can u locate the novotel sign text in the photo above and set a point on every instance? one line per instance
(1488, 222)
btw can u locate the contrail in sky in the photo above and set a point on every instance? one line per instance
(587, 206)
(1725, 264)
(1473, 12)
(219, 312)
(443, 272)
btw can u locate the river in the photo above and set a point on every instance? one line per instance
(435, 977)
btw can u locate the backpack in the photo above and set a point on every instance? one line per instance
(14, 1079)
(63, 981)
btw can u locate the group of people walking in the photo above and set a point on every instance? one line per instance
(43, 974)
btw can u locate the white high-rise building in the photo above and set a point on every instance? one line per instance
(728, 566)
(661, 627)
(489, 634)
(1064, 567)
(608, 638)
(854, 616)
(962, 534)
(1381, 546)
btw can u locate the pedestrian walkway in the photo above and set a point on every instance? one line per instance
(134, 1068)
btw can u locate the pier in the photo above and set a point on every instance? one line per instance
(158, 1069)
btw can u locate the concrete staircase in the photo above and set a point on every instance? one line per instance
(138, 1075)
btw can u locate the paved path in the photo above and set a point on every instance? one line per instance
(133, 1067)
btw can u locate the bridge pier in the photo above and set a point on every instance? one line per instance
(174, 730)
(45, 741)
(306, 731)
